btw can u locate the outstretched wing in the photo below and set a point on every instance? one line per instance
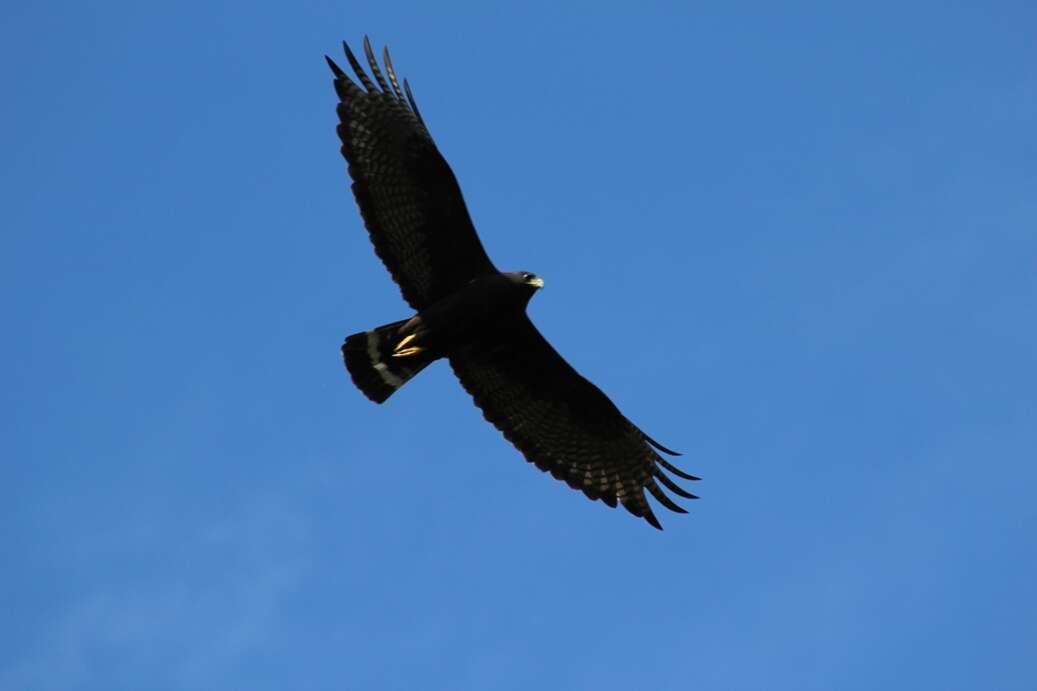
(407, 194)
(563, 423)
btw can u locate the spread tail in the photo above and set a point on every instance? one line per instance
(369, 359)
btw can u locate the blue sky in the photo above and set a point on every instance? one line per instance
(796, 243)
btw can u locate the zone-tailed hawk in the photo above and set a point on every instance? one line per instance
(472, 314)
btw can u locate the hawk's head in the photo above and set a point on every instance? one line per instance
(526, 278)
(515, 287)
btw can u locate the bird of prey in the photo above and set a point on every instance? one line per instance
(470, 313)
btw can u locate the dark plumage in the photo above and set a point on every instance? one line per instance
(470, 313)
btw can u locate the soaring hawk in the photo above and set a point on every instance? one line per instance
(472, 314)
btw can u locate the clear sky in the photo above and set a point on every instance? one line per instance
(798, 244)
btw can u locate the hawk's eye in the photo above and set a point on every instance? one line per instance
(527, 277)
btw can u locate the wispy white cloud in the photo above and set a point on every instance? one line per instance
(187, 627)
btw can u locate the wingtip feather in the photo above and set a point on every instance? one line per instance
(336, 70)
(675, 470)
(661, 497)
(387, 59)
(355, 64)
(373, 63)
(671, 485)
(660, 447)
(412, 102)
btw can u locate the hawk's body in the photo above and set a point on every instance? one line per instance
(472, 314)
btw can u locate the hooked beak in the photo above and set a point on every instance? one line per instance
(536, 282)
